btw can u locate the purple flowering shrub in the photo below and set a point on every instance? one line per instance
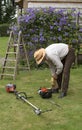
(44, 26)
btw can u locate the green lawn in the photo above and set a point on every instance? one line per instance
(17, 115)
(3, 45)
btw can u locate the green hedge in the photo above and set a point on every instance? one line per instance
(44, 26)
(4, 30)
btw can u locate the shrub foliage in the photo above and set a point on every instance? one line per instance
(44, 26)
(3, 30)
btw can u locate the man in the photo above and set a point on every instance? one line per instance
(59, 57)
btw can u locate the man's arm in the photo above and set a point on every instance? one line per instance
(55, 65)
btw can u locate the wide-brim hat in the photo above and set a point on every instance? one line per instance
(39, 55)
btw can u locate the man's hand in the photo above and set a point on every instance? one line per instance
(55, 77)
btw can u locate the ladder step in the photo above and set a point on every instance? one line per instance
(7, 67)
(10, 60)
(13, 45)
(11, 53)
(7, 74)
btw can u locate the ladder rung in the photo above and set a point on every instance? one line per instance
(13, 45)
(7, 74)
(11, 53)
(8, 67)
(10, 60)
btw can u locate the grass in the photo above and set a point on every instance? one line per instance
(17, 115)
(3, 45)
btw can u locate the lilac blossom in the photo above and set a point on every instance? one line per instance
(44, 26)
(66, 33)
(59, 29)
(42, 39)
(80, 30)
(51, 27)
(60, 38)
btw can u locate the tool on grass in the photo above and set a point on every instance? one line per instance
(23, 96)
(45, 92)
(11, 88)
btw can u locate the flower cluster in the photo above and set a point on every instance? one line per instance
(43, 26)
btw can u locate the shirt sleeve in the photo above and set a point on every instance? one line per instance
(59, 65)
(52, 68)
(56, 66)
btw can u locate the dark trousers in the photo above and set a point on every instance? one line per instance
(63, 78)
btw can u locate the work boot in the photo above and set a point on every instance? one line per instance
(55, 90)
(63, 94)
